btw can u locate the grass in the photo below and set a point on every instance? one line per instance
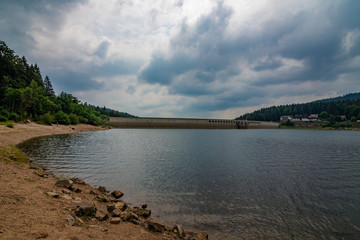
(12, 154)
(9, 124)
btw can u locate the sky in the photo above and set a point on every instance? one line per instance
(186, 58)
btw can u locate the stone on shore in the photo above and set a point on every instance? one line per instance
(101, 212)
(117, 194)
(65, 183)
(145, 213)
(180, 231)
(155, 226)
(102, 189)
(116, 212)
(125, 216)
(115, 220)
(85, 209)
(53, 194)
(120, 205)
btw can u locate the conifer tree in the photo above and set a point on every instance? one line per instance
(48, 87)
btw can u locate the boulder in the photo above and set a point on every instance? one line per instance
(155, 226)
(117, 194)
(125, 216)
(101, 212)
(180, 231)
(116, 212)
(145, 213)
(53, 194)
(78, 181)
(120, 205)
(85, 209)
(115, 220)
(102, 189)
(144, 206)
(64, 183)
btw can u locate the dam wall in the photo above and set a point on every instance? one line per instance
(188, 123)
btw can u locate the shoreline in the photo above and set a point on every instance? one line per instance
(34, 206)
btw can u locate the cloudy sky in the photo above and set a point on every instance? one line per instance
(187, 58)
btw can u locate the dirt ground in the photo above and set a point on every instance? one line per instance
(28, 212)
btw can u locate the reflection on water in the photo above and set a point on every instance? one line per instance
(234, 184)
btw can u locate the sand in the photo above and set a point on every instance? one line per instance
(27, 212)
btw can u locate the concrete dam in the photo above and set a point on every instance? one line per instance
(188, 123)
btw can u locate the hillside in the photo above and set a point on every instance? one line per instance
(348, 105)
(25, 94)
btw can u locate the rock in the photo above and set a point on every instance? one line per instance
(103, 229)
(102, 189)
(155, 226)
(102, 198)
(67, 191)
(120, 205)
(77, 200)
(202, 236)
(78, 181)
(65, 183)
(125, 216)
(142, 212)
(85, 209)
(144, 206)
(111, 207)
(41, 235)
(180, 231)
(134, 216)
(92, 192)
(77, 190)
(70, 220)
(67, 197)
(101, 212)
(116, 212)
(169, 228)
(53, 194)
(117, 194)
(115, 220)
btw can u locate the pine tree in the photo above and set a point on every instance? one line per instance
(48, 87)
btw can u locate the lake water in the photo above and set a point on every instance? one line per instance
(234, 184)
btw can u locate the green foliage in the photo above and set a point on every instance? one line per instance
(73, 119)
(288, 123)
(47, 118)
(10, 124)
(348, 106)
(323, 115)
(14, 117)
(23, 94)
(62, 118)
(353, 119)
(3, 118)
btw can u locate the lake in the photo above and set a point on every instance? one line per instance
(234, 184)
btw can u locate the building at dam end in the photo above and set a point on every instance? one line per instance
(188, 123)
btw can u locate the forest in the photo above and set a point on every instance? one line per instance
(328, 109)
(26, 95)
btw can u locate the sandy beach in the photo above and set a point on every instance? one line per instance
(28, 211)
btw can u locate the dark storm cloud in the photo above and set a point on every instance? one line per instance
(312, 37)
(19, 18)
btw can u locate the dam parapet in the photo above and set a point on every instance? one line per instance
(188, 123)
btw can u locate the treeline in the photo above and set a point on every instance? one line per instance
(346, 105)
(24, 94)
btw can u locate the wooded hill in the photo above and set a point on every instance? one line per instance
(348, 105)
(25, 94)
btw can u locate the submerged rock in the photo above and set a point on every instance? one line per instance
(155, 226)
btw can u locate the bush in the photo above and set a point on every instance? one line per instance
(5, 113)
(73, 119)
(15, 117)
(10, 124)
(3, 118)
(83, 120)
(62, 118)
(47, 119)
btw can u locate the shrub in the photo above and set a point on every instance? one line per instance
(47, 119)
(62, 118)
(15, 117)
(10, 124)
(83, 120)
(3, 118)
(73, 119)
(5, 113)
